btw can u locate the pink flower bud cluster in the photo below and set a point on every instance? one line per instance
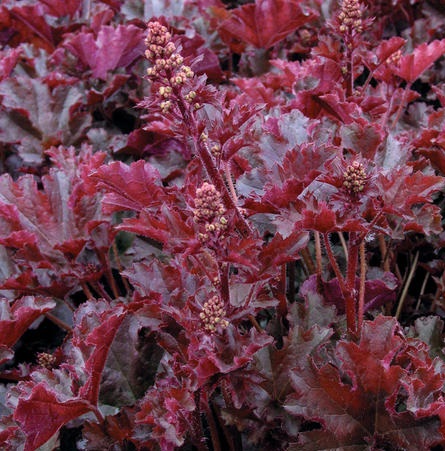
(209, 210)
(46, 360)
(350, 17)
(212, 315)
(395, 58)
(355, 178)
(167, 65)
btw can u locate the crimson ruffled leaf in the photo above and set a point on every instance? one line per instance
(61, 9)
(41, 412)
(113, 48)
(252, 23)
(28, 24)
(15, 319)
(51, 399)
(8, 59)
(172, 398)
(383, 51)
(47, 229)
(360, 397)
(135, 187)
(413, 65)
(132, 361)
(96, 327)
(403, 192)
(380, 289)
(36, 117)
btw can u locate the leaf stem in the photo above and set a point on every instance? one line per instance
(343, 244)
(98, 414)
(282, 299)
(119, 267)
(401, 105)
(224, 278)
(384, 252)
(334, 264)
(87, 290)
(111, 280)
(306, 256)
(422, 290)
(254, 322)
(406, 286)
(58, 322)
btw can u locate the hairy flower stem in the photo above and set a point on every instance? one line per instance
(347, 287)
(212, 171)
(361, 294)
(228, 175)
(231, 434)
(318, 253)
(307, 258)
(214, 436)
(351, 271)
(196, 431)
(350, 70)
(334, 264)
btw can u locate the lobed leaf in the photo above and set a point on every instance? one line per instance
(113, 48)
(15, 319)
(36, 117)
(354, 398)
(252, 23)
(413, 65)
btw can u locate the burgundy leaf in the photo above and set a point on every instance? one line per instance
(48, 228)
(8, 59)
(15, 319)
(359, 392)
(41, 414)
(135, 187)
(61, 9)
(173, 399)
(36, 117)
(413, 65)
(252, 23)
(113, 48)
(168, 228)
(29, 25)
(402, 191)
(97, 326)
(383, 51)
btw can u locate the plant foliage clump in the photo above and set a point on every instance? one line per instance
(222, 225)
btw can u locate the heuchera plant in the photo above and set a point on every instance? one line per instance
(221, 225)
